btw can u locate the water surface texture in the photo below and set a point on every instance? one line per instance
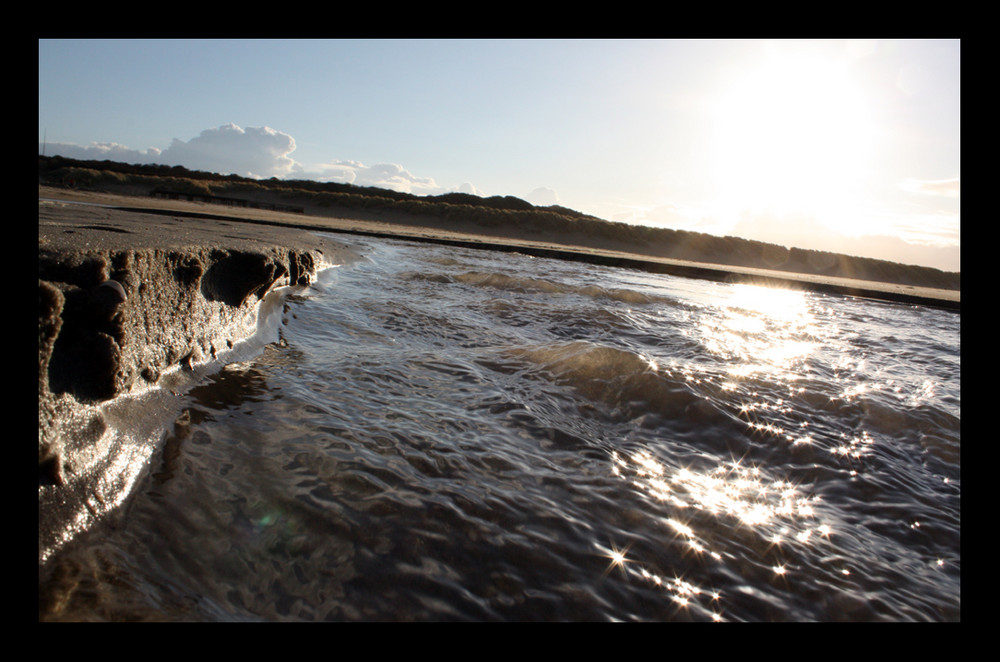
(451, 434)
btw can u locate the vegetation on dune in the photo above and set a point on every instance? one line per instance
(505, 216)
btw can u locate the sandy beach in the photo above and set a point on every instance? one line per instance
(431, 229)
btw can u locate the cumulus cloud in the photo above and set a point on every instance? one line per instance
(382, 175)
(396, 177)
(543, 197)
(258, 152)
(262, 153)
(390, 176)
(468, 187)
(341, 172)
(97, 151)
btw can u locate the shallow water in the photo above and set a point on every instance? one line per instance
(450, 434)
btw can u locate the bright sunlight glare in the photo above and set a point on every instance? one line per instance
(763, 330)
(792, 136)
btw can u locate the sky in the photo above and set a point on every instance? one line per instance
(850, 146)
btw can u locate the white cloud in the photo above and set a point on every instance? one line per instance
(341, 172)
(96, 151)
(543, 197)
(382, 175)
(396, 177)
(468, 187)
(258, 152)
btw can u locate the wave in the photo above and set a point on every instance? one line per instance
(516, 283)
(626, 384)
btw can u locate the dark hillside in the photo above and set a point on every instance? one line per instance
(504, 216)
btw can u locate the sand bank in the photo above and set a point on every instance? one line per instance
(127, 299)
(430, 229)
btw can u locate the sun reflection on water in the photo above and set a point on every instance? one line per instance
(762, 330)
(728, 501)
(780, 363)
(683, 593)
(741, 493)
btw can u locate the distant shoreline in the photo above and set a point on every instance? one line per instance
(498, 219)
(405, 226)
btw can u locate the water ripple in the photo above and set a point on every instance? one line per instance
(446, 434)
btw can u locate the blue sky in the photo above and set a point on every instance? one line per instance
(850, 146)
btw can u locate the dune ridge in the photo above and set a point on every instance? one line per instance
(501, 218)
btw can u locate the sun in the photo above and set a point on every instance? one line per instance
(791, 136)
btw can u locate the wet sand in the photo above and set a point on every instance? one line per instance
(129, 301)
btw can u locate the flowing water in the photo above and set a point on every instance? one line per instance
(451, 434)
